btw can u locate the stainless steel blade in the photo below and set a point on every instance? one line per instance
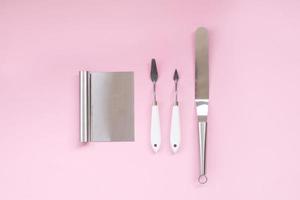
(112, 106)
(106, 106)
(202, 76)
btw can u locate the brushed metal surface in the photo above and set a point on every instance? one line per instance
(112, 106)
(201, 69)
(202, 96)
(202, 151)
(84, 106)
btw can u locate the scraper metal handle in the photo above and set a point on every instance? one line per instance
(202, 148)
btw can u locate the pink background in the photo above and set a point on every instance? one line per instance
(254, 132)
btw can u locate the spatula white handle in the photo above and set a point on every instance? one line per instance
(155, 129)
(175, 129)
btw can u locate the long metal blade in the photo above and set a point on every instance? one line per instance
(202, 77)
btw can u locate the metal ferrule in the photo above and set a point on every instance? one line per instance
(176, 93)
(202, 109)
(154, 94)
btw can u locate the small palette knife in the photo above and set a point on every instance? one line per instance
(202, 95)
(175, 123)
(155, 124)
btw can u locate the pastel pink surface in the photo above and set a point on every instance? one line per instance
(253, 140)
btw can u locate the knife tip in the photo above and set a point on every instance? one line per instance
(175, 76)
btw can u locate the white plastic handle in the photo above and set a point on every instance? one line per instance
(155, 129)
(175, 129)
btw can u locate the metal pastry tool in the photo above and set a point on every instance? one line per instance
(175, 123)
(202, 95)
(155, 124)
(106, 106)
